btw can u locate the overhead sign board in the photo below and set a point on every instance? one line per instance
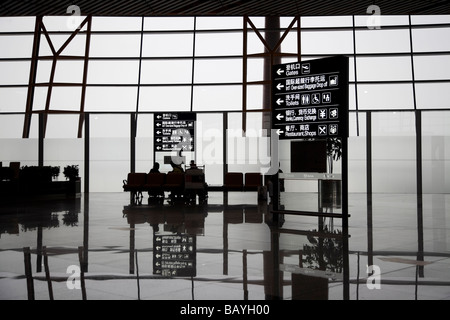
(174, 131)
(174, 255)
(310, 98)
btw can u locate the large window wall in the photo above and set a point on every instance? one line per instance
(399, 74)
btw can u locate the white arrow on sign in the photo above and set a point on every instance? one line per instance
(159, 116)
(280, 71)
(279, 86)
(279, 132)
(279, 101)
(280, 116)
(158, 124)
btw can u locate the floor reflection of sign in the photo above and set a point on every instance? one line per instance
(310, 99)
(174, 131)
(174, 255)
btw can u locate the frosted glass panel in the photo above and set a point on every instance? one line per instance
(116, 23)
(327, 42)
(210, 23)
(210, 98)
(166, 72)
(109, 152)
(109, 125)
(21, 150)
(62, 127)
(218, 44)
(384, 68)
(436, 152)
(385, 96)
(17, 24)
(382, 40)
(11, 126)
(16, 47)
(63, 152)
(255, 97)
(169, 23)
(113, 72)
(111, 98)
(209, 146)
(66, 98)
(168, 45)
(218, 71)
(431, 39)
(432, 67)
(14, 72)
(339, 21)
(13, 99)
(171, 98)
(433, 95)
(113, 45)
(144, 154)
(394, 152)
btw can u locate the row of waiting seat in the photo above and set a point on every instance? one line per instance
(178, 184)
(185, 183)
(238, 181)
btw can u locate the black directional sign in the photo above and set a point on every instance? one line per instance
(310, 98)
(174, 255)
(174, 131)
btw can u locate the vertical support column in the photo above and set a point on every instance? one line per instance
(28, 272)
(244, 75)
(86, 152)
(138, 95)
(133, 117)
(32, 79)
(369, 187)
(345, 235)
(85, 74)
(272, 37)
(47, 273)
(82, 261)
(420, 254)
(244, 274)
(41, 140)
(194, 37)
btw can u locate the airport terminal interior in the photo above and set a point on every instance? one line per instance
(312, 144)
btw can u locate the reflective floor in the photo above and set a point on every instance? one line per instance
(102, 246)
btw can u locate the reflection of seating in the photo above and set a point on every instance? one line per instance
(233, 215)
(154, 184)
(253, 214)
(134, 184)
(233, 181)
(253, 180)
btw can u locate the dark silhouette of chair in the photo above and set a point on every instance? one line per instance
(174, 184)
(194, 184)
(134, 183)
(154, 184)
(15, 167)
(253, 180)
(234, 181)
